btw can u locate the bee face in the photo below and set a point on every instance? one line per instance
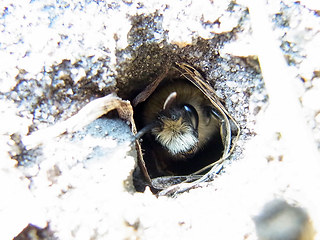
(176, 130)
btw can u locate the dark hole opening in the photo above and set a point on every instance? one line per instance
(158, 161)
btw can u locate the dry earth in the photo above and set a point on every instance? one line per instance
(57, 56)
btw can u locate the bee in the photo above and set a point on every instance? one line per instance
(180, 120)
(186, 131)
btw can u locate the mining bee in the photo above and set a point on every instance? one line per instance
(185, 128)
(180, 120)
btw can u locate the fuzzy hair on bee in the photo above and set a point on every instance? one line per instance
(180, 118)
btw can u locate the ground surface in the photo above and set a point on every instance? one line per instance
(57, 56)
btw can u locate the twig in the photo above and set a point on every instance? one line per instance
(86, 115)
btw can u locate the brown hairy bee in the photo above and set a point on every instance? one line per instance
(186, 131)
(180, 119)
(179, 122)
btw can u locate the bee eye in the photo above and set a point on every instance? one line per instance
(193, 115)
(174, 117)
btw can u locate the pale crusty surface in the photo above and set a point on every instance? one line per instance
(56, 56)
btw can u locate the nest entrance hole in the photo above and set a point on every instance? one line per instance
(211, 152)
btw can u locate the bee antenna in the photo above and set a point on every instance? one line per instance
(145, 130)
(170, 99)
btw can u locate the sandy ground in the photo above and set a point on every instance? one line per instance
(57, 56)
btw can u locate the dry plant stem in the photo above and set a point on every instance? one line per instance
(284, 112)
(226, 132)
(86, 115)
(226, 129)
(185, 186)
(166, 181)
(141, 97)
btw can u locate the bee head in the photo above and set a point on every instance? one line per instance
(177, 128)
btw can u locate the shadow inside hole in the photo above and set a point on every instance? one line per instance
(158, 161)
